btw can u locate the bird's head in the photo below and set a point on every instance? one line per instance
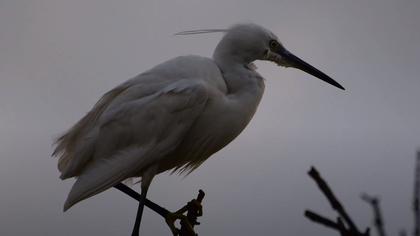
(245, 43)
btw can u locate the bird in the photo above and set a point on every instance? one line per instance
(172, 117)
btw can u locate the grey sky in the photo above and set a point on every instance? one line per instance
(58, 57)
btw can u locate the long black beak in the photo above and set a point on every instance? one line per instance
(296, 62)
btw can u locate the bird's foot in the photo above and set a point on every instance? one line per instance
(172, 217)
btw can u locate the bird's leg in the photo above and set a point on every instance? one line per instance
(145, 183)
(153, 206)
(136, 229)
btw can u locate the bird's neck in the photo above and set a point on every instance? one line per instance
(245, 87)
(239, 76)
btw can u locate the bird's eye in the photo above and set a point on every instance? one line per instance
(274, 44)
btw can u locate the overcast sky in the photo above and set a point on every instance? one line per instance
(58, 57)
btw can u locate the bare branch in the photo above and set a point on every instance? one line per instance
(193, 209)
(416, 197)
(377, 215)
(344, 224)
(322, 220)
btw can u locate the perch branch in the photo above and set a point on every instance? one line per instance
(193, 209)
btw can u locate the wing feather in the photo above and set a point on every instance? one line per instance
(66, 143)
(139, 134)
(76, 147)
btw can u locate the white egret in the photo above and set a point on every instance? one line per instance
(173, 116)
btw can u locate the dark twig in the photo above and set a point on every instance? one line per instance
(377, 215)
(344, 224)
(323, 220)
(416, 197)
(193, 209)
(335, 204)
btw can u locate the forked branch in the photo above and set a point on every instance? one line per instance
(343, 224)
(187, 222)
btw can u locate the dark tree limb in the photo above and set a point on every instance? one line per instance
(323, 220)
(344, 224)
(416, 197)
(377, 214)
(193, 209)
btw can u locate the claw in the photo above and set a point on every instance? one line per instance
(170, 219)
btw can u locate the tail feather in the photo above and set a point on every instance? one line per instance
(80, 157)
(105, 173)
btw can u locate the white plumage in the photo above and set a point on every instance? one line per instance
(172, 117)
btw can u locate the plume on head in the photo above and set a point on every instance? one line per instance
(201, 31)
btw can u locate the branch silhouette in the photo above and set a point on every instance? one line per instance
(377, 213)
(343, 224)
(193, 209)
(416, 198)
